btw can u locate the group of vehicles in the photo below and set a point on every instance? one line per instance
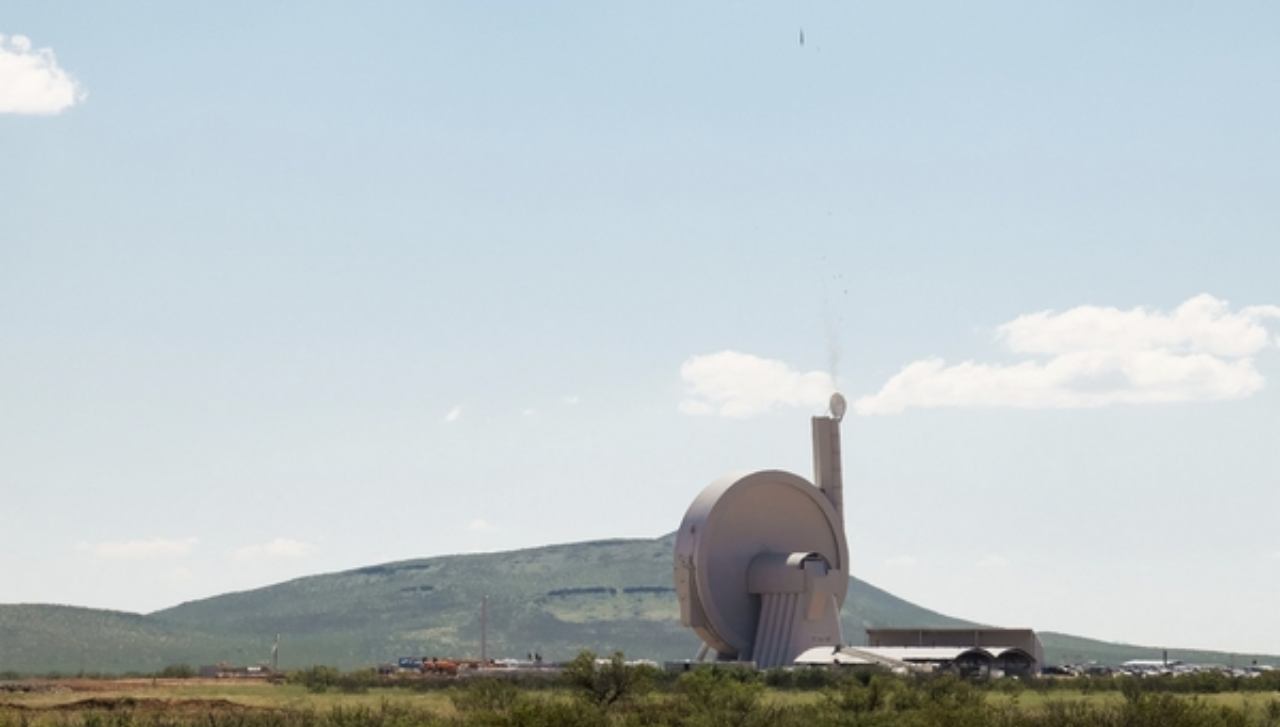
(429, 665)
(1156, 667)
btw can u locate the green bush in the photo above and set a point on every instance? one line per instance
(949, 691)
(1271, 713)
(319, 679)
(485, 695)
(176, 671)
(719, 696)
(604, 684)
(316, 678)
(855, 697)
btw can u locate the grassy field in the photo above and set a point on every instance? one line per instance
(243, 703)
(1036, 701)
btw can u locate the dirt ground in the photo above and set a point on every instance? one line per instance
(133, 704)
(146, 695)
(60, 696)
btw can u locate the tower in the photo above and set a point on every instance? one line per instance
(761, 561)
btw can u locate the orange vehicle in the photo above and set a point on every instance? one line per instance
(439, 666)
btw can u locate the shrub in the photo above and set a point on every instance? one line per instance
(357, 682)
(1069, 714)
(176, 671)
(554, 714)
(1163, 710)
(316, 678)
(604, 684)
(950, 691)
(1271, 713)
(719, 696)
(485, 695)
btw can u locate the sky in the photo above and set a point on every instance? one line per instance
(294, 287)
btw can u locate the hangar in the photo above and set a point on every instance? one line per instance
(1014, 652)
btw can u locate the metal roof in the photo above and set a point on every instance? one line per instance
(935, 653)
(828, 655)
(897, 656)
(921, 653)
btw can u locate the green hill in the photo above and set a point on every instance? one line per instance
(38, 638)
(555, 600)
(1068, 649)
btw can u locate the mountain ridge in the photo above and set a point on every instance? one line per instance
(604, 595)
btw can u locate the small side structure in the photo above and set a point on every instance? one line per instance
(225, 670)
(981, 651)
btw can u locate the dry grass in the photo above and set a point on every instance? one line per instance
(149, 693)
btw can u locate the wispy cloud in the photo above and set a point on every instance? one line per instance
(479, 525)
(993, 561)
(31, 81)
(572, 400)
(734, 384)
(273, 549)
(454, 414)
(142, 549)
(1091, 357)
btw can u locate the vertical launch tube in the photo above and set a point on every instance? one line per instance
(827, 474)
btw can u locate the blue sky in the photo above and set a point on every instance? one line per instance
(295, 288)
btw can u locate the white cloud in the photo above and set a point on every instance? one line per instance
(479, 525)
(529, 412)
(31, 82)
(454, 414)
(1092, 357)
(1203, 324)
(734, 384)
(144, 549)
(275, 548)
(993, 561)
(572, 400)
(901, 561)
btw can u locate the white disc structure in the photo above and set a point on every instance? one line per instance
(757, 517)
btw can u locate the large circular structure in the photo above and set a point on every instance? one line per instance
(741, 520)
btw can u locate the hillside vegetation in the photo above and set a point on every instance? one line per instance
(555, 600)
